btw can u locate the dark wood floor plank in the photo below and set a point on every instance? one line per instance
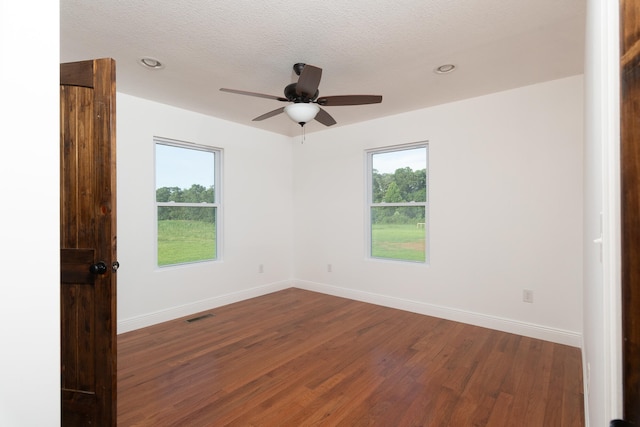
(499, 416)
(297, 358)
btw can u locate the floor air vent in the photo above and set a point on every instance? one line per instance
(204, 316)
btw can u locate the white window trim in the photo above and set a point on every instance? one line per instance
(217, 204)
(368, 204)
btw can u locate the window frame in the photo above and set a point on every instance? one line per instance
(216, 205)
(369, 204)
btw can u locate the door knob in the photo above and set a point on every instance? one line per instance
(98, 268)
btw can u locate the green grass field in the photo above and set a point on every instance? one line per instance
(398, 241)
(191, 241)
(185, 241)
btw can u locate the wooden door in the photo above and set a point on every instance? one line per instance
(630, 207)
(88, 243)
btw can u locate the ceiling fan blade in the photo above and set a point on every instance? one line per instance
(309, 81)
(269, 114)
(259, 95)
(331, 101)
(325, 118)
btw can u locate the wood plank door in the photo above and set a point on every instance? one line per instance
(88, 243)
(630, 205)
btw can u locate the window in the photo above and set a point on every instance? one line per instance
(397, 208)
(187, 202)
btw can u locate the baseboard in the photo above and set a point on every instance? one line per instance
(171, 313)
(546, 333)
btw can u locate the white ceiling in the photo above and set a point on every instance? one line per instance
(377, 47)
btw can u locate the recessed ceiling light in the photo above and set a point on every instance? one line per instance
(151, 63)
(444, 69)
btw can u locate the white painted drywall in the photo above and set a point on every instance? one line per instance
(256, 215)
(30, 212)
(505, 185)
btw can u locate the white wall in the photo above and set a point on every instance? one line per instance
(505, 182)
(506, 213)
(602, 312)
(30, 243)
(257, 215)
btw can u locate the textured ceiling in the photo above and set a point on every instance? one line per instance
(387, 48)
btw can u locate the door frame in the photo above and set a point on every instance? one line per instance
(630, 205)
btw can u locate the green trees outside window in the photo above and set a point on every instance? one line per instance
(187, 203)
(398, 203)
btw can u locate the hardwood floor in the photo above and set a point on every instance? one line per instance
(300, 358)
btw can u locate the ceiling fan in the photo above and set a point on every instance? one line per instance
(305, 102)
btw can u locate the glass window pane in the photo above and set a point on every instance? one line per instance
(184, 175)
(399, 176)
(186, 234)
(398, 232)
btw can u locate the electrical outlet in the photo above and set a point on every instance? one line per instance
(527, 295)
(260, 268)
(329, 268)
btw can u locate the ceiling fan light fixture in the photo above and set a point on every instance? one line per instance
(302, 112)
(303, 96)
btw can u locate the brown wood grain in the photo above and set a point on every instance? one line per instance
(630, 206)
(300, 358)
(77, 74)
(87, 235)
(74, 264)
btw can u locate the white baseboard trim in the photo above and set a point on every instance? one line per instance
(531, 330)
(586, 379)
(171, 313)
(546, 333)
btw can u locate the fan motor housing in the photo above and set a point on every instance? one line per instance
(291, 94)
